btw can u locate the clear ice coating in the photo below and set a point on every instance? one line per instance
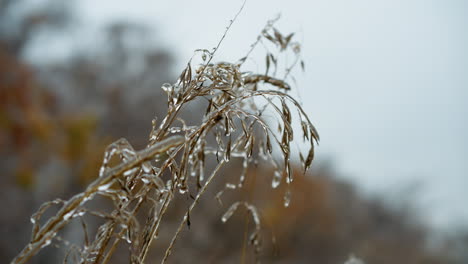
(159, 183)
(128, 153)
(254, 212)
(229, 212)
(69, 215)
(228, 85)
(120, 147)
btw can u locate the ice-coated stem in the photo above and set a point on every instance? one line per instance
(56, 223)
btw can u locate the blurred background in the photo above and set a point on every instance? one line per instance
(385, 84)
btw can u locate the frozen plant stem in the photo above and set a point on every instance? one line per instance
(50, 229)
(234, 119)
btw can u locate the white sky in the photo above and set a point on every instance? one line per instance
(386, 82)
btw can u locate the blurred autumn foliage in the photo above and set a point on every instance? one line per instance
(56, 119)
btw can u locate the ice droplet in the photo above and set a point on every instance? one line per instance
(191, 129)
(46, 243)
(175, 130)
(102, 170)
(241, 181)
(276, 180)
(128, 154)
(167, 87)
(129, 237)
(287, 198)
(123, 198)
(262, 153)
(182, 188)
(146, 166)
(145, 180)
(229, 212)
(245, 163)
(253, 238)
(105, 187)
(68, 215)
(201, 174)
(130, 172)
(230, 186)
(289, 179)
(353, 260)
(168, 184)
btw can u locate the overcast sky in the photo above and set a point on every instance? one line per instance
(386, 81)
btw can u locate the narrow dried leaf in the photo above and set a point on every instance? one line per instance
(269, 37)
(286, 111)
(288, 39)
(309, 159)
(305, 130)
(268, 144)
(314, 133)
(227, 130)
(188, 218)
(267, 64)
(279, 38)
(273, 59)
(301, 158)
(251, 147)
(227, 153)
(189, 73)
